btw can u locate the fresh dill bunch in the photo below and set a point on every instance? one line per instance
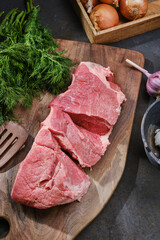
(29, 60)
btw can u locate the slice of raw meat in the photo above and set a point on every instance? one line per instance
(45, 138)
(47, 178)
(92, 102)
(85, 146)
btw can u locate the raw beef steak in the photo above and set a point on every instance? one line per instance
(92, 102)
(85, 146)
(47, 178)
(78, 127)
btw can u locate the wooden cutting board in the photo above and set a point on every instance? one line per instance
(65, 222)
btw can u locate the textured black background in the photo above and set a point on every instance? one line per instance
(133, 212)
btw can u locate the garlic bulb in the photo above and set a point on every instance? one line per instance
(153, 84)
(153, 81)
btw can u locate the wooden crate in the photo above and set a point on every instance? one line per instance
(125, 29)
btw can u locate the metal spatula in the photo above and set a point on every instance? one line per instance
(12, 138)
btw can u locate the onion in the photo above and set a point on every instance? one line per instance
(89, 4)
(114, 2)
(133, 9)
(104, 16)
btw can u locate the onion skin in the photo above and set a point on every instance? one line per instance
(94, 2)
(114, 2)
(89, 4)
(133, 9)
(104, 16)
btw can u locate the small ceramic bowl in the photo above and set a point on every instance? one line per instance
(150, 123)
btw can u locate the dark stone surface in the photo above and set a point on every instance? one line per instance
(133, 212)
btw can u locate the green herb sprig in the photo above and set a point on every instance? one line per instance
(29, 60)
